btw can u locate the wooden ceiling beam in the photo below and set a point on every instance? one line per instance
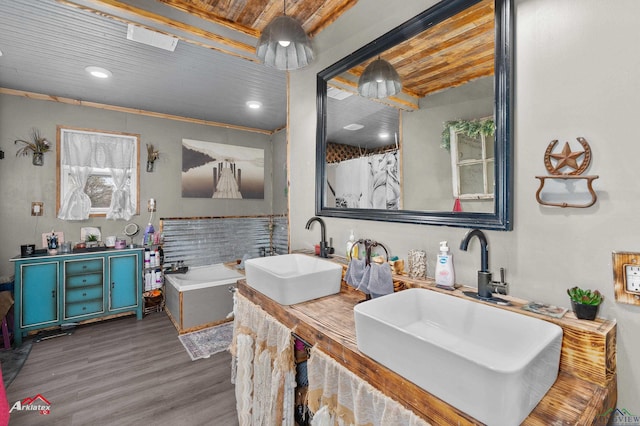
(207, 15)
(170, 23)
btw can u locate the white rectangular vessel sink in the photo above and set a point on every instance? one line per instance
(490, 363)
(293, 278)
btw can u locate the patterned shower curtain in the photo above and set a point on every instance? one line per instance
(370, 182)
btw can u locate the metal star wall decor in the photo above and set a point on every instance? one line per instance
(567, 158)
(567, 167)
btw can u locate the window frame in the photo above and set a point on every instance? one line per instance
(487, 163)
(62, 181)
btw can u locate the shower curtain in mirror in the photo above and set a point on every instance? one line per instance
(370, 182)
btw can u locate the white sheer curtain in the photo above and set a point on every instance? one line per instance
(121, 206)
(76, 204)
(88, 151)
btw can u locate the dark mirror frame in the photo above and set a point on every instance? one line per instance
(502, 218)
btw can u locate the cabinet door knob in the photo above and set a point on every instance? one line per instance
(84, 294)
(53, 294)
(113, 284)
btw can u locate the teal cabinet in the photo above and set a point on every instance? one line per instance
(122, 270)
(72, 288)
(37, 284)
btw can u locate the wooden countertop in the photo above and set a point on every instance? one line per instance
(585, 390)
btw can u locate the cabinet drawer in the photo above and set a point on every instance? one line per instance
(83, 280)
(72, 267)
(83, 294)
(83, 308)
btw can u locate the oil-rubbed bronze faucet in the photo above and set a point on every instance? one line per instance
(484, 276)
(324, 247)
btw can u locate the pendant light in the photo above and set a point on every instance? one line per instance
(379, 80)
(284, 44)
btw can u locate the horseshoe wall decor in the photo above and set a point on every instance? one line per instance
(567, 159)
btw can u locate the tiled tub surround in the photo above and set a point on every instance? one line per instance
(586, 387)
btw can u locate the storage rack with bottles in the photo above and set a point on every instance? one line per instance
(153, 276)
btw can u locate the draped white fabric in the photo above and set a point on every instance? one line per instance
(76, 204)
(122, 207)
(263, 367)
(339, 397)
(83, 152)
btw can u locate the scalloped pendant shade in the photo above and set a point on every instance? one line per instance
(379, 80)
(284, 45)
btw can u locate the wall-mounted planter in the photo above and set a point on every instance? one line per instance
(38, 159)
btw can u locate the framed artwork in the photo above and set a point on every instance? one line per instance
(216, 170)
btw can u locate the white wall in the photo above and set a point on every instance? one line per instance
(21, 183)
(576, 74)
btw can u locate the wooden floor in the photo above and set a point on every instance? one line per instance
(124, 372)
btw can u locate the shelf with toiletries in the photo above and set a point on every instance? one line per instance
(153, 273)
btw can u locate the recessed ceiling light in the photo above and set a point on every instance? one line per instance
(98, 72)
(353, 126)
(254, 104)
(383, 135)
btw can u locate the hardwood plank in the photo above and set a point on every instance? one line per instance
(121, 372)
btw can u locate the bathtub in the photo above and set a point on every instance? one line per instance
(200, 297)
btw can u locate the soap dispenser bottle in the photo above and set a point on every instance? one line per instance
(445, 275)
(350, 243)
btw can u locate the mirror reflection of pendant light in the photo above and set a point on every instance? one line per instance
(284, 44)
(379, 80)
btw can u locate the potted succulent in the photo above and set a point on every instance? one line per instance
(92, 240)
(585, 303)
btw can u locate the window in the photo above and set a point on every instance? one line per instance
(472, 164)
(97, 174)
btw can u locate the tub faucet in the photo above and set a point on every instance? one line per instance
(324, 247)
(484, 276)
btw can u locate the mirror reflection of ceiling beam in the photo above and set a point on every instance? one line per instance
(449, 54)
(402, 101)
(202, 33)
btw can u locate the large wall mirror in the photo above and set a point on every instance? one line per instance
(390, 158)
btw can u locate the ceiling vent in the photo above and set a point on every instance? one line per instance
(335, 93)
(152, 38)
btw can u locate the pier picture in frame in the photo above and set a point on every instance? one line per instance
(216, 170)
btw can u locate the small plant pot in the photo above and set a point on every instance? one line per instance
(586, 312)
(38, 159)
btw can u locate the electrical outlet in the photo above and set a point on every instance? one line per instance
(626, 277)
(37, 208)
(632, 278)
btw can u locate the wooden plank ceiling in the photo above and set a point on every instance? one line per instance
(449, 54)
(252, 16)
